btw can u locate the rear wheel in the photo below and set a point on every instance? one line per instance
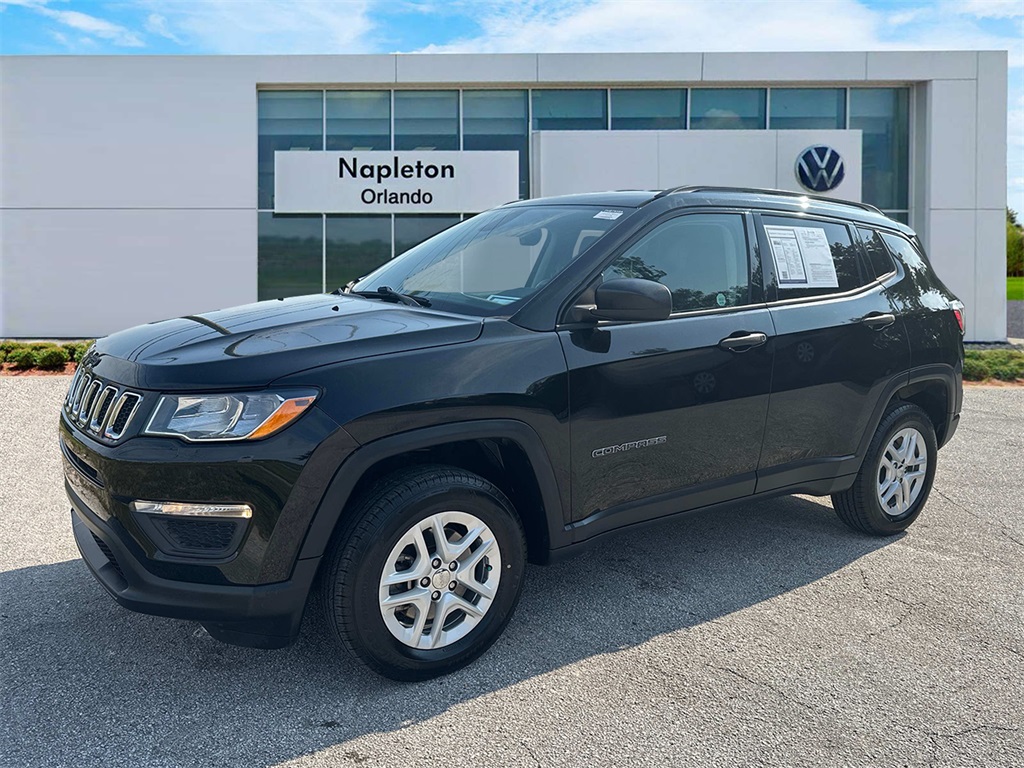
(896, 477)
(428, 573)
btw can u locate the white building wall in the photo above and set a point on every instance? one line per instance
(128, 184)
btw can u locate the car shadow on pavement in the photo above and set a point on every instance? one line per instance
(86, 682)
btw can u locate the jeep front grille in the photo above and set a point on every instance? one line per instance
(99, 407)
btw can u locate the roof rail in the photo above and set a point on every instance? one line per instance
(783, 192)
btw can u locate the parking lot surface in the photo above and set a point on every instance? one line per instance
(765, 634)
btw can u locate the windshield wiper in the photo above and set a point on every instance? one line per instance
(386, 294)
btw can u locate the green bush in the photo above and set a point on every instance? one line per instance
(75, 350)
(22, 357)
(7, 345)
(52, 358)
(1002, 364)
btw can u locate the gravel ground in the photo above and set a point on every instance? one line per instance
(768, 634)
(1015, 319)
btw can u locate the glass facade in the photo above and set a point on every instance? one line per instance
(426, 120)
(570, 110)
(309, 253)
(499, 120)
(648, 109)
(354, 246)
(808, 108)
(727, 108)
(290, 255)
(358, 120)
(883, 114)
(288, 120)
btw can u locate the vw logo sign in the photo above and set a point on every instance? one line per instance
(820, 169)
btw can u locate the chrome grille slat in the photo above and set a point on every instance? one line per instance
(101, 408)
(100, 411)
(129, 401)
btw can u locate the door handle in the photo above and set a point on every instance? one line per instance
(878, 320)
(743, 342)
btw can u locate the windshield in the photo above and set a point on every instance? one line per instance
(494, 260)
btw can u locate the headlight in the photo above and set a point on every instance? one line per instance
(246, 416)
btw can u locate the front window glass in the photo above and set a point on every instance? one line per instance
(701, 258)
(495, 260)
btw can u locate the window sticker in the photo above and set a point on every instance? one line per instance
(610, 215)
(803, 258)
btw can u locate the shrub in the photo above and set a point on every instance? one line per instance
(7, 345)
(22, 357)
(75, 350)
(52, 358)
(1002, 364)
(1014, 245)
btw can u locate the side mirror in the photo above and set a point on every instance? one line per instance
(627, 299)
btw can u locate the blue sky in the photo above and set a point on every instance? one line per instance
(387, 26)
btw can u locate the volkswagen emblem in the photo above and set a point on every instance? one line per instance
(820, 169)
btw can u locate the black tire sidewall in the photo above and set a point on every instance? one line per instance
(900, 418)
(360, 597)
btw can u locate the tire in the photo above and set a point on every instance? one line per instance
(380, 540)
(864, 506)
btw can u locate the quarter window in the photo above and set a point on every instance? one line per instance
(879, 260)
(701, 258)
(812, 257)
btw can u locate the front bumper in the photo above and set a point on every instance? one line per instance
(267, 616)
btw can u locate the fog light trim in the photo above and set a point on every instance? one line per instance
(180, 509)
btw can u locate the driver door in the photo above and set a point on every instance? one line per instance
(670, 415)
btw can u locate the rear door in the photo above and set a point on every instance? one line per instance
(839, 346)
(675, 408)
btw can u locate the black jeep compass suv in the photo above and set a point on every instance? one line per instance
(517, 386)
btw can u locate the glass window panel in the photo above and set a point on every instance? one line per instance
(426, 120)
(883, 114)
(844, 256)
(290, 256)
(900, 216)
(413, 229)
(648, 109)
(727, 108)
(495, 120)
(359, 120)
(570, 110)
(356, 245)
(808, 108)
(878, 255)
(287, 120)
(701, 258)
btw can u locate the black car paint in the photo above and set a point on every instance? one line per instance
(395, 379)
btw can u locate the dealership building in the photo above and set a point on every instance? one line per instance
(138, 188)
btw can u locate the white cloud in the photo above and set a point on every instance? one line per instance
(157, 25)
(95, 26)
(265, 26)
(991, 9)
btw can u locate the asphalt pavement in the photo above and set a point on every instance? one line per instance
(768, 634)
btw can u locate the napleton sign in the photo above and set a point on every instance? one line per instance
(394, 182)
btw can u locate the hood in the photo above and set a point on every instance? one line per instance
(252, 345)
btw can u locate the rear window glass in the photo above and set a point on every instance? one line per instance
(812, 257)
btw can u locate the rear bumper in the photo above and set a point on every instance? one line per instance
(265, 616)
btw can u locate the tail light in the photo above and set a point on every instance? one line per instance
(959, 315)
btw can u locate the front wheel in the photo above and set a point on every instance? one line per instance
(428, 573)
(896, 477)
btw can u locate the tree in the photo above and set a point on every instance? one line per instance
(1014, 245)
